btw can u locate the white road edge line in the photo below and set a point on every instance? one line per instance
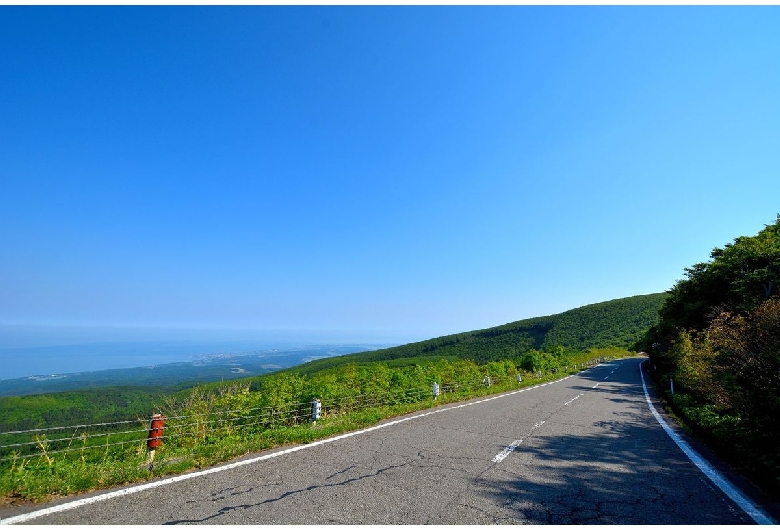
(720, 481)
(151, 485)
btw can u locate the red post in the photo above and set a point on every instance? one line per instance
(156, 425)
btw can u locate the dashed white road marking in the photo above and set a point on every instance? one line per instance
(505, 453)
(514, 445)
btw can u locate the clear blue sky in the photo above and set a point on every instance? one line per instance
(406, 172)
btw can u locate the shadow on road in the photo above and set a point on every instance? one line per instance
(628, 472)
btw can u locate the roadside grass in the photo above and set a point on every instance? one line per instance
(41, 477)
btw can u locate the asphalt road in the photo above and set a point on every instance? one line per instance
(583, 450)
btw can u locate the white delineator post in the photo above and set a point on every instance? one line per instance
(316, 408)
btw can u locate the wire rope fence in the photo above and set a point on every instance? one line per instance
(182, 428)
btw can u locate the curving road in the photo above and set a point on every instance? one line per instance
(582, 450)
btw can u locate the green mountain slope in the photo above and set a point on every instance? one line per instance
(620, 323)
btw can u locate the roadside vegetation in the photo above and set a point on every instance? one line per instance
(617, 323)
(217, 422)
(613, 324)
(714, 338)
(717, 345)
(75, 407)
(104, 443)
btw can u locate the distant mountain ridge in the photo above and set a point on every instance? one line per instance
(171, 376)
(616, 323)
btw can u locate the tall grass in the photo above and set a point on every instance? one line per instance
(215, 424)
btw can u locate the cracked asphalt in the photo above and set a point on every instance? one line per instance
(584, 450)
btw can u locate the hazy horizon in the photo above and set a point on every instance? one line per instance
(398, 172)
(92, 348)
(47, 350)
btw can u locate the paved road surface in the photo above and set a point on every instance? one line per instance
(583, 450)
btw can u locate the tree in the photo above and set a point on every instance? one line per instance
(738, 278)
(719, 337)
(748, 361)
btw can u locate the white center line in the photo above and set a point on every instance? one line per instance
(514, 445)
(505, 453)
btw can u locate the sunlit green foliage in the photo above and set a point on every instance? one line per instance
(74, 407)
(617, 323)
(738, 277)
(718, 340)
(219, 421)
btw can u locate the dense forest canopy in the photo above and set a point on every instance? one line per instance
(718, 341)
(738, 278)
(617, 323)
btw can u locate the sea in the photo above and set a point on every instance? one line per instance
(51, 350)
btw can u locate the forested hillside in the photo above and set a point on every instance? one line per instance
(74, 407)
(219, 421)
(617, 323)
(718, 343)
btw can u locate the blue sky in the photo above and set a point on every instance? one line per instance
(390, 172)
